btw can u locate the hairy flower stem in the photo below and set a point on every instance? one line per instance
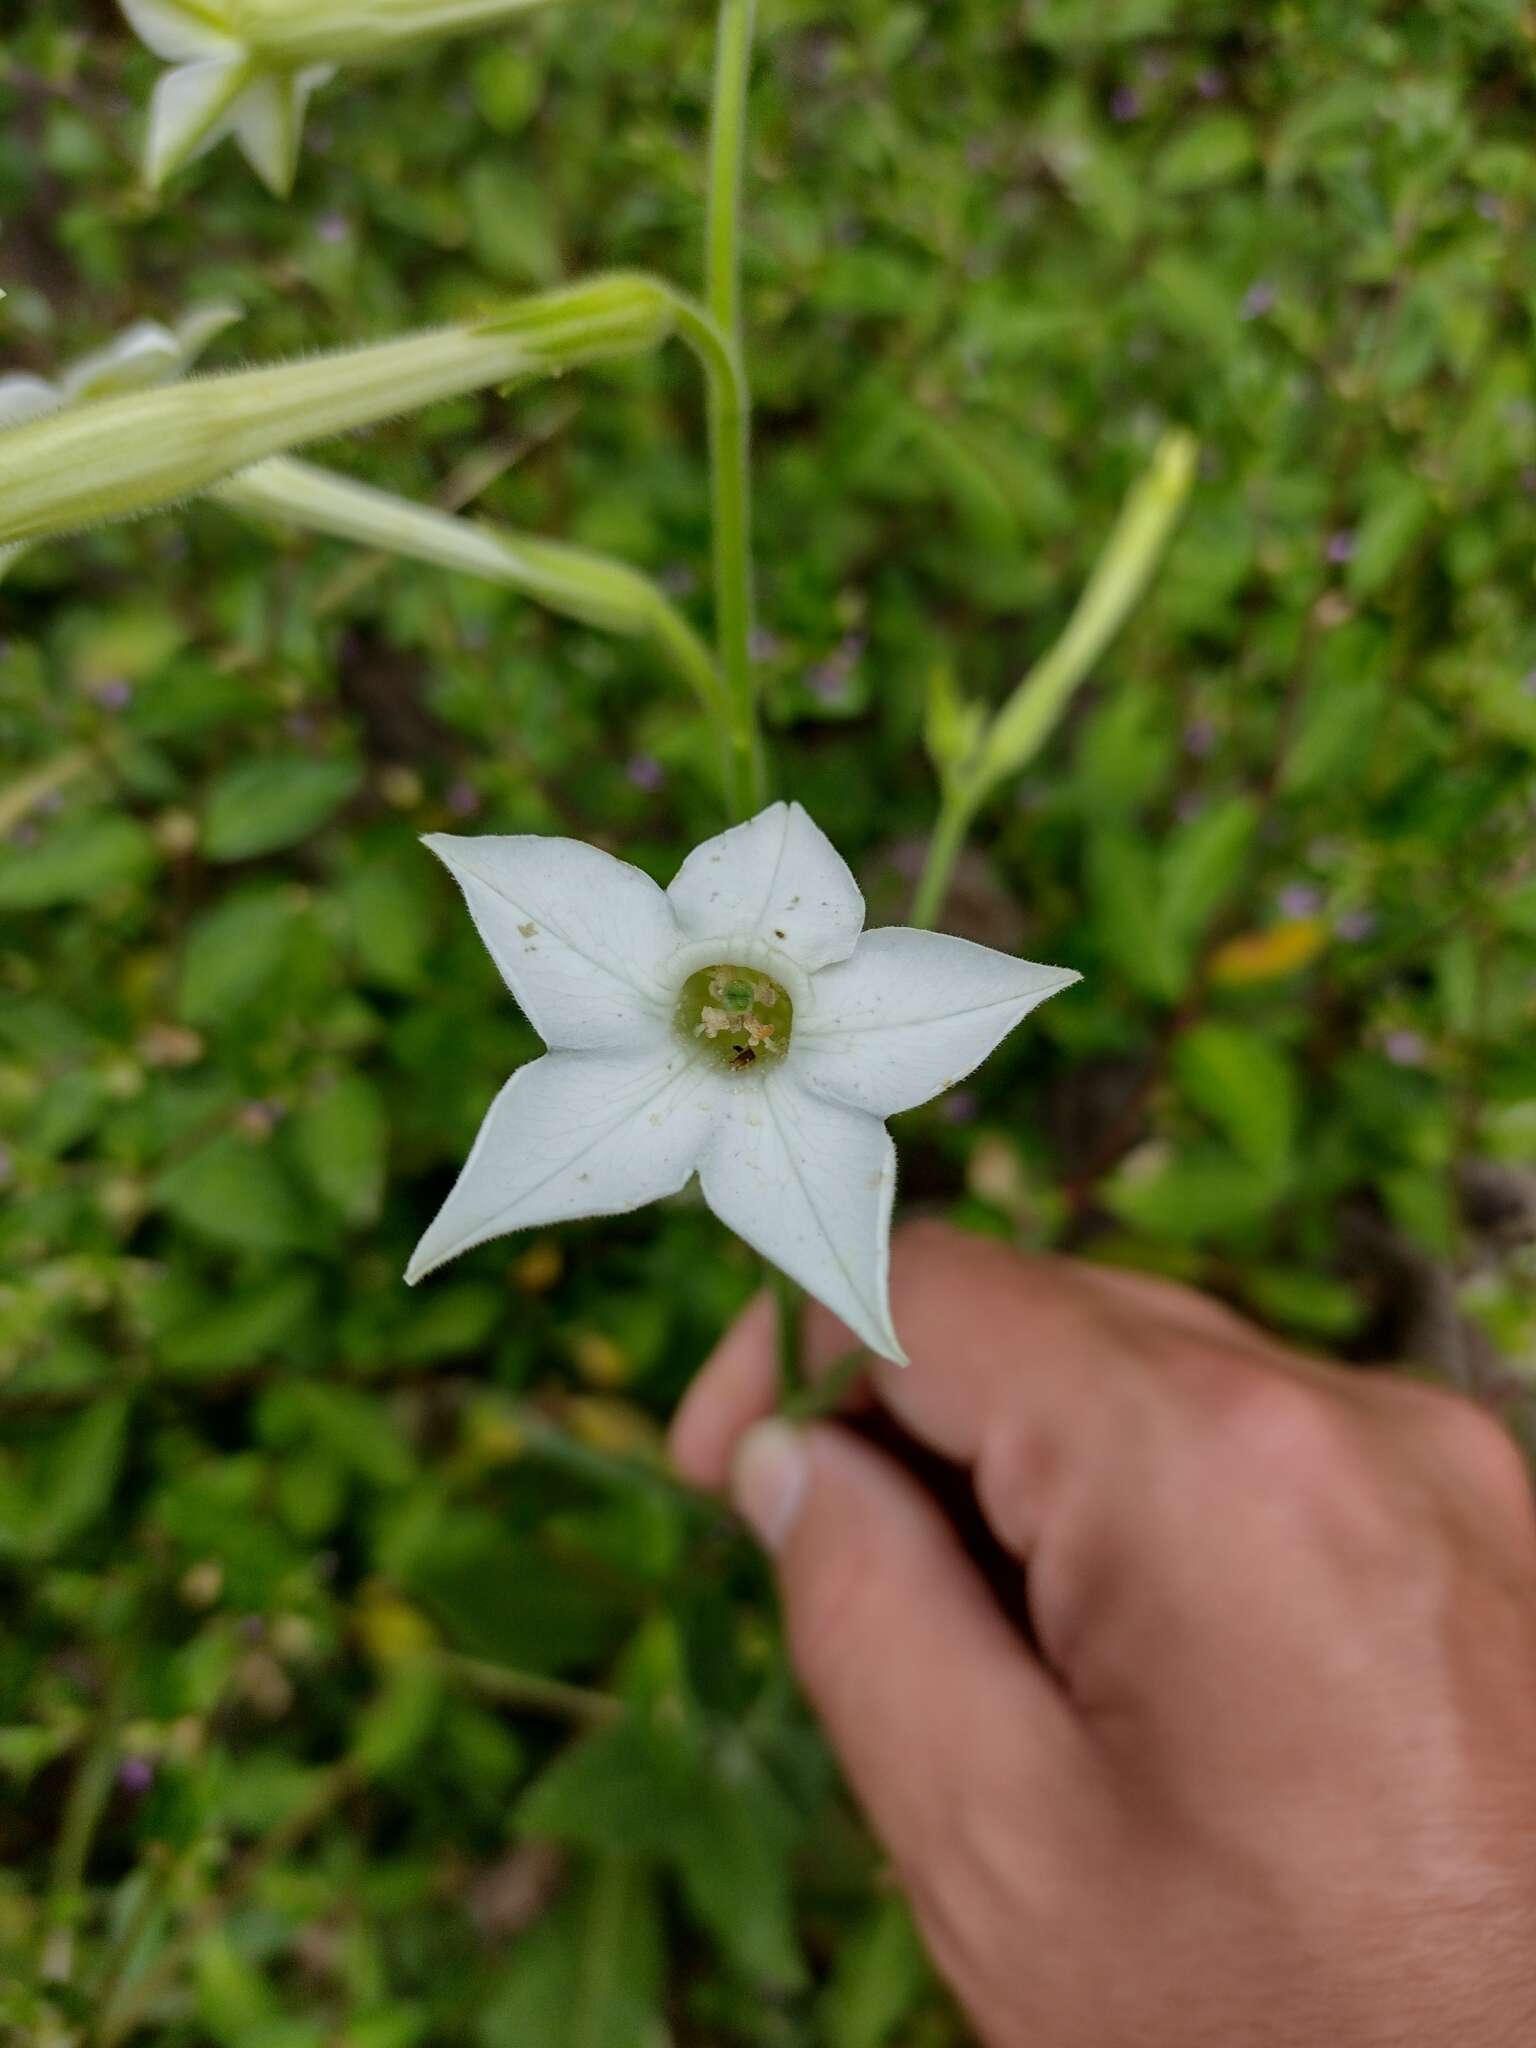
(573, 581)
(115, 458)
(730, 408)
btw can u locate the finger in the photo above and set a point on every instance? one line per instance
(738, 1385)
(935, 1707)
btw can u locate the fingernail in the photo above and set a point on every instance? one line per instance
(768, 1478)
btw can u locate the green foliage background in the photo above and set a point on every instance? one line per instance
(364, 1680)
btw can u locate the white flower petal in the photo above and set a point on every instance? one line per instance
(910, 1014)
(141, 355)
(25, 398)
(179, 34)
(777, 879)
(190, 110)
(196, 329)
(578, 936)
(577, 1134)
(809, 1184)
(268, 121)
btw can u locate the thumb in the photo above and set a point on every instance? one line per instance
(936, 1706)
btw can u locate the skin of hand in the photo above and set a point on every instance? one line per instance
(1259, 1771)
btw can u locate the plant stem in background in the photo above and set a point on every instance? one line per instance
(572, 581)
(730, 406)
(1031, 714)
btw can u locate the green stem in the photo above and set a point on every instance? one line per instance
(532, 1692)
(730, 407)
(788, 1301)
(956, 810)
(82, 1815)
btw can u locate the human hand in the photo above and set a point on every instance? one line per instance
(1265, 1777)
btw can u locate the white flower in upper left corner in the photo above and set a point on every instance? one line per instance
(740, 1025)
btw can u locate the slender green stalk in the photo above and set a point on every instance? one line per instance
(730, 405)
(1037, 704)
(573, 581)
(788, 1304)
(531, 1692)
(82, 1815)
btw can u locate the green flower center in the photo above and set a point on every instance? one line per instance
(735, 1015)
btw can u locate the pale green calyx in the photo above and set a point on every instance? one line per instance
(121, 456)
(246, 68)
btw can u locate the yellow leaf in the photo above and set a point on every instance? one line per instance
(1269, 955)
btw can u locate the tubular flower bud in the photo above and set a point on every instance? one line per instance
(246, 68)
(63, 467)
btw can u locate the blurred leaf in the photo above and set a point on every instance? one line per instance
(588, 1975)
(1244, 1085)
(79, 1477)
(235, 1193)
(76, 861)
(1210, 151)
(274, 801)
(233, 953)
(881, 1974)
(254, 1323)
(338, 1139)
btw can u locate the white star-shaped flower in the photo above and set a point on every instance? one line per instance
(218, 85)
(740, 1025)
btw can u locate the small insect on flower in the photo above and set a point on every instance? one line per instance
(742, 1057)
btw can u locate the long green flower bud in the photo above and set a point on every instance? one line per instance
(120, 457)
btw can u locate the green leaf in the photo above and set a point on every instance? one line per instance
(1201, 867)
(338, 1140)
(235, 1193)
(588, 1974)
(254, 1323)
(881, 1974)
(1398, 514)
(391, 907)
(1211, 151)
(1128, 923)
(78, 860)
(79, 1476)
(275, 801)
(1204, 1195)
(233, 953)
(1244, 1086)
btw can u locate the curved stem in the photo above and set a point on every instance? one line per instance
(730, 405)
(956, 810)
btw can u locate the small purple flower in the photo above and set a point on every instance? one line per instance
(1126, 104)
(959, 1106)
(333, 227)
(7, 1165)
(299, 725)
(764, 646)
(646, 773)
(1490, 206)
(462, 798)
(1299, 899)
(1198, 737)
(678, 580)
(1258, 300)
(135, 1774)
(1354, 925)
(1405, 1048)
(1210, 84)
(1189, 807)
(114, 693)
(1528, 682)
(1341, 545)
